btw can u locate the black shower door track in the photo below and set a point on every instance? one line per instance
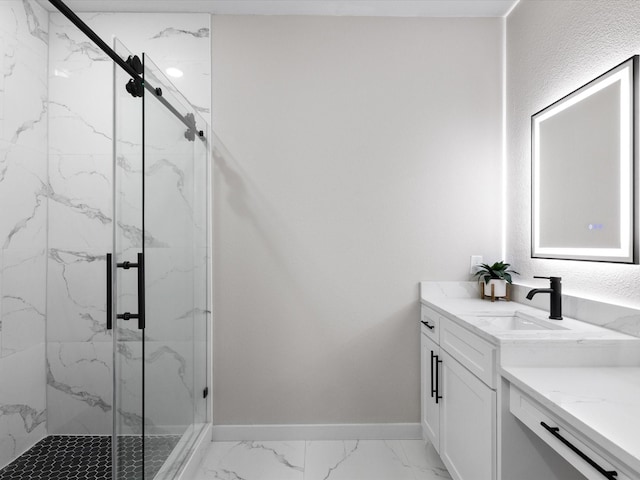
(188, 120)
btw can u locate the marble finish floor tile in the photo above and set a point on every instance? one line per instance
(424, 460)
(323, 460)
(357, 459)
(253, 461)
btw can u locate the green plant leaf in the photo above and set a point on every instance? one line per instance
(497, 271)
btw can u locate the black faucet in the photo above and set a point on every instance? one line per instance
(555, 291)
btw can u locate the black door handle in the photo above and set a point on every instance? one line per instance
(109, 292)
(141, 300)
(555, 431)
(141, 304)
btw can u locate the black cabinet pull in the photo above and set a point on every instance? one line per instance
(433, 390)
(610, 474)
(426, 324)
(437, 392)
(109, 291)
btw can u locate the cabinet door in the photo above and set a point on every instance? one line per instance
(430, 404)
(467, 423)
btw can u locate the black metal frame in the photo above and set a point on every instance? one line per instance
(635, 167)
(133, 87)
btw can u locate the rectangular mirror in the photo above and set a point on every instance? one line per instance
(583, 169)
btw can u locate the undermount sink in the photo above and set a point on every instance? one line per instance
(516, 321)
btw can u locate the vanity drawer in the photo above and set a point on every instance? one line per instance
(430, 321)
(539, 420)
(470, 350)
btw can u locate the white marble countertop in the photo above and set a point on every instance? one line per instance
(602, 403)
(462, 300)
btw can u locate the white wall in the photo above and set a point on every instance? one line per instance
(360, 155)
(552, 49)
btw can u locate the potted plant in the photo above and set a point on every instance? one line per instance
(496, 275)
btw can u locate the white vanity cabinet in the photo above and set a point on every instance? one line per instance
(458, 397)
(525, 398)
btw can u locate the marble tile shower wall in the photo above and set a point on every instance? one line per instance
(23, 225)
(79, 350)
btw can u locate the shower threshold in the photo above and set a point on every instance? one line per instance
(88, 457)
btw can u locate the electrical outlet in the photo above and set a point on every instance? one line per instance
(473, 264)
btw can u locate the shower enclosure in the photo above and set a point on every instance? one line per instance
(126, 398)
(157, 276)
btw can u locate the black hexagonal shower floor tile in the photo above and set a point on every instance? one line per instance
(88, 457)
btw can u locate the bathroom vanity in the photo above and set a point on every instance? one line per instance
(508, 394)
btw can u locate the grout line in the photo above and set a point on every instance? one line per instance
(304, 461)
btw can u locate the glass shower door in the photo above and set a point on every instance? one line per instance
(160, 312)
(176, 272)
(128, 280)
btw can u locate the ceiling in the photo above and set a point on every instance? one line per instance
(365, 8)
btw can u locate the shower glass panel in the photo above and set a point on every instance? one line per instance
(175, 226)
(202, 309)
(128, 346)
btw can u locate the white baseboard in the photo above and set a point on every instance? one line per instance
(356, 431)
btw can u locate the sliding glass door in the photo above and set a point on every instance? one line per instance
(159, 275)
(128, 284)
(176, 270)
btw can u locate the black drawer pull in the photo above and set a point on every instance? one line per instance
(610, 474)
(426, 324)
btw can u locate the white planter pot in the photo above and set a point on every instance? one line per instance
(499, 288)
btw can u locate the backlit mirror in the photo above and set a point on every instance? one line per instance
(583, 164)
